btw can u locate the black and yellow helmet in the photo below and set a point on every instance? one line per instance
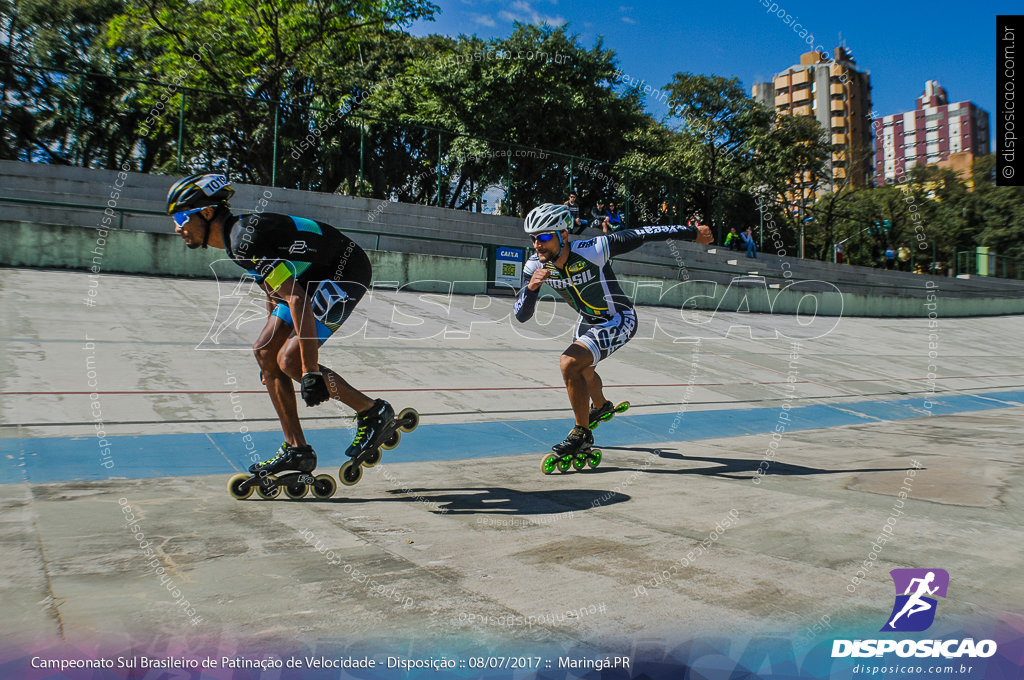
(199, 191)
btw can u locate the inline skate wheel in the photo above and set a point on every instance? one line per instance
(548, 465)
(235, 487)
(350, 473)
(622, 408)
(579, 462)
(593, 425)
(594, 459)
(392, 441)
(268, 488)
(372, 459)
(564, 464)
(409, 420)
(296, 490)
(324, 486)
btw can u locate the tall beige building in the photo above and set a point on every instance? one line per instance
(838, 95)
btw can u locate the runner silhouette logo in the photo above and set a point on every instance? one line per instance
(916, 590)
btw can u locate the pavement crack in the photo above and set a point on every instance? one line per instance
(51, 601)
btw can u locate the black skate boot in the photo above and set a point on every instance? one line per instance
(378, 428)
(300, 458)
(606, 413)
(576, 452)
(579, 440)
(598, 414)
(297, 463)
(374, 426)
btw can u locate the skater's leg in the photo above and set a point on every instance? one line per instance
(279, 385)
(289, 361)
(594, 386)
(575, 361)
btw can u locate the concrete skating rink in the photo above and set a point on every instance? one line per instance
(456, 535)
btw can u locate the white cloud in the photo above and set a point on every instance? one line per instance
(484, 20)
(524, 13)
(628, 20)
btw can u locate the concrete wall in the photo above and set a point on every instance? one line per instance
(138, 252)
(29, 244)
(391, 226)
(49, 236)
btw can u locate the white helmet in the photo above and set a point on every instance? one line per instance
(548, 217)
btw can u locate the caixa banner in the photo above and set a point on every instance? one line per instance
(505, 268)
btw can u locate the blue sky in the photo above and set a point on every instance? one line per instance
(902, 44)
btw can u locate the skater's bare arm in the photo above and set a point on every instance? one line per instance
(294, 295)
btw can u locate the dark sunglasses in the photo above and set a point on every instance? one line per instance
(543, 238)
(180, 218)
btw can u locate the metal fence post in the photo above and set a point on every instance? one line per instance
(760, 227)
(508, 189)
(628, 201)
(437, 175)
(76, 146)
(273, 160)
(362, 151)
(181, 129)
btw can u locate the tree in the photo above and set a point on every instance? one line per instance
(55, 109)
(996, 214)
(790, 167)
(276, 58)
(719, 124)
(537, 88)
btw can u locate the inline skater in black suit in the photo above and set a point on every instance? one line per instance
(313, 276)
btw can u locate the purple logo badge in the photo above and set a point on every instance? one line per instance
(915, 605)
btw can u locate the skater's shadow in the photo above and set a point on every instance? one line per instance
(738, 468)
(496, 500)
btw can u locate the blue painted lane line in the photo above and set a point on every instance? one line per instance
(64, 459)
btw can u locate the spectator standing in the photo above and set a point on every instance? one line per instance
(574, 211)
(890, 257)
(664, 213)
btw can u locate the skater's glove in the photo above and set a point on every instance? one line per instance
(314, 389)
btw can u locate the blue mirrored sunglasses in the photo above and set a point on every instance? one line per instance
(180, 218)
(542, 237)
